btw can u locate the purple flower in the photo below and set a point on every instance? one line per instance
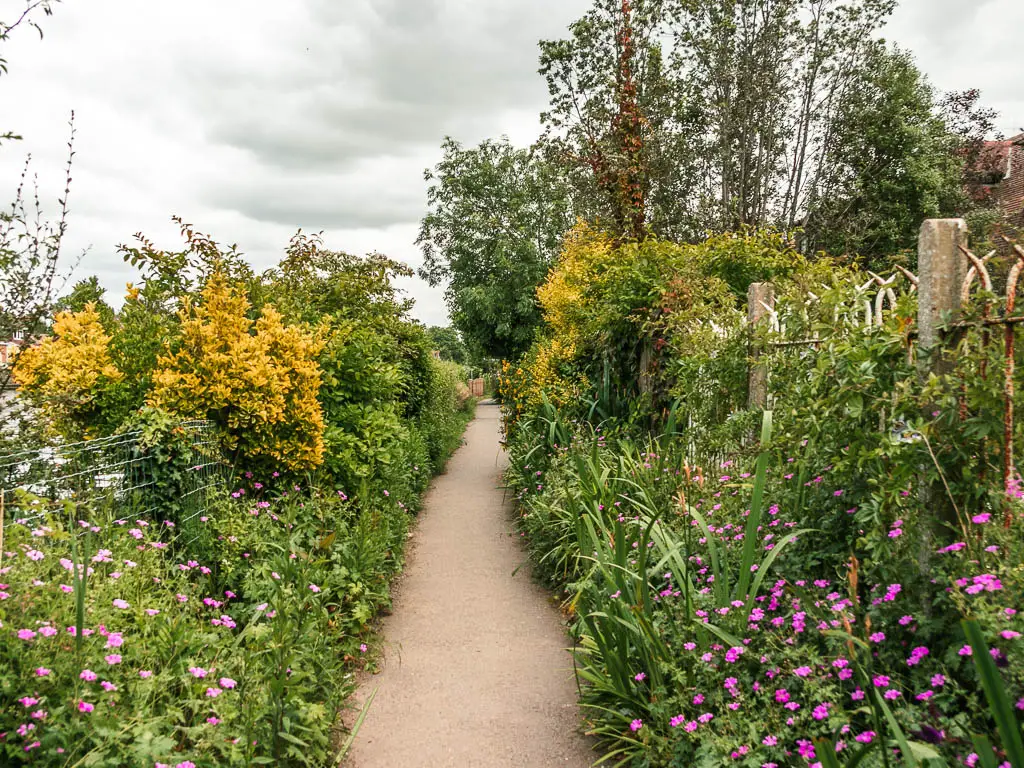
(876, 637)
(938, 681)
(916, 655)
(636, 725)
(981, 519)
(733, 654)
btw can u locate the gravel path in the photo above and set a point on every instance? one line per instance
(476, 673)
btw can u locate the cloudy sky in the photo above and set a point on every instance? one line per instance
(252, 118)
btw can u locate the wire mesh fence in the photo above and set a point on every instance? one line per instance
(123, 472)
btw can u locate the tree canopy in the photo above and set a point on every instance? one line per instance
(495, 222)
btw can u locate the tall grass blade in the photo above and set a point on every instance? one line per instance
(983, 748)
(355, 728)
(754, 518)
(909, 755)
(995, 692)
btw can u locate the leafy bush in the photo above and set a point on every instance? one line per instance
(257, 380)
(685, 664)
(142, 632)
(238, 660)
(72, 375)
(802, 606)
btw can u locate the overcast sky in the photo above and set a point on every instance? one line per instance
(252, 118)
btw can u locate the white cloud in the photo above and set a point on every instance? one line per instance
(251, 118)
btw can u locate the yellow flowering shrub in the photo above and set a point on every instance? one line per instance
(618, 314)
(70, 374)
(258, 380)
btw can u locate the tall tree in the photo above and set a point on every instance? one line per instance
(617, 125)
(891, 162)
(726, 113)
(495, 223)
(447, 342)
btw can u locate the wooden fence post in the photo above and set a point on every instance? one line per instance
(760, 296)
(942, 269)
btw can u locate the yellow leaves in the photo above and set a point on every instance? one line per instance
(563, 297)
(258, 379)
(65, 371)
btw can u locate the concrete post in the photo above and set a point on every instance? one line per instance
(941, 268)
(758, 295)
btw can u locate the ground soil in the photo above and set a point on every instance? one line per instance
(475, 671)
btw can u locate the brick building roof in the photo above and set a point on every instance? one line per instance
(1000, 175)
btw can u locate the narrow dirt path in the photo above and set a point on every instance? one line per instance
(476, 673)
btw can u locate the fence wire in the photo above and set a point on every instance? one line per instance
(110, 472)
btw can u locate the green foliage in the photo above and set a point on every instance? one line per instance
(313, 365)
(895, 163)
(622, 318)
(444, 413)
(496, 219)
(448, 343)
(84, 293)
(829, 574)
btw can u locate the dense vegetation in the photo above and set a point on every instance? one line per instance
(679, 118)
(789, 600)
(135, 634)
(833, 580)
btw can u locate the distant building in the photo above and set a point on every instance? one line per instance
(10, 348)
(999, 178)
